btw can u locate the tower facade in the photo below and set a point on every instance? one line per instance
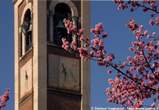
(46, 76)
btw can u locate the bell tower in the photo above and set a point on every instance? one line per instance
(46, 76)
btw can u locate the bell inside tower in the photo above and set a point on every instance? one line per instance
(62, 11)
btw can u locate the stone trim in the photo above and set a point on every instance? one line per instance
(28, 6)
(72, 6)
(16, 44)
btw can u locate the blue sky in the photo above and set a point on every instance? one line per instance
(118, 43)
(6, 49)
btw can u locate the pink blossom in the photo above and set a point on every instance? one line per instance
(65, 44)
(145, 33)
(101, 43)
(73, 45)
(138, 34)
(95, 42)
(99, 27)
(109, 58)
(83, 52)
(132, 25)
(99, 54)
(81, 37)
(4, 98)
(138, 104)
(132, 49)
(153, 4)
(69, 25)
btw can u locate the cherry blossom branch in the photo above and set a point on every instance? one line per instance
(137, 81)
(147, 8)
(137, 89)
(152, 70)
(133, 4)
(118, 70)
(147, 62)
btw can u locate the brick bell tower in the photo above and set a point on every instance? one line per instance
(46, 76)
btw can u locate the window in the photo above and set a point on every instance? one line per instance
(62, 11)
(26, 32)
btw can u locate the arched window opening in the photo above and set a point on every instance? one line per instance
(62, 11)
(27, 31)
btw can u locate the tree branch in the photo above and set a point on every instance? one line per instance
(136, 81)
(143, 6)
(147, 62)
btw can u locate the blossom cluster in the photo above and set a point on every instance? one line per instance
(150, 6)
(69, 25)
(154, 21)
(146, 5)
(4, 99)
(140, 72)
(124, 92)
(86, 49)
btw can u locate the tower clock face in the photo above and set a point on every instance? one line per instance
(64, 72)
